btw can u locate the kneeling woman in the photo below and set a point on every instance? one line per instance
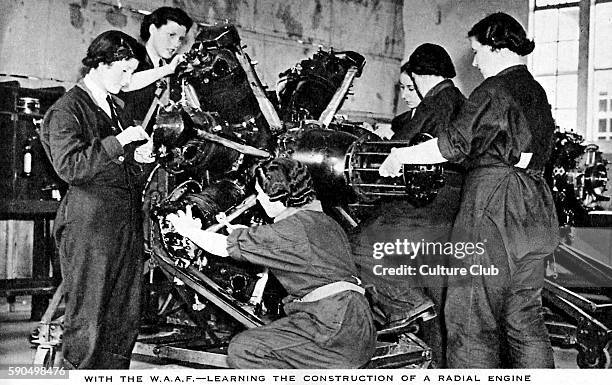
(328, 323)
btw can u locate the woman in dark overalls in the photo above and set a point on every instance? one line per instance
(328, 322)
(98, 228)
(427, 87)
(430, 71)
(504, 136)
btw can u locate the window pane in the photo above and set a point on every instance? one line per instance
(568, 56)
(602, 89)
(602, 85)
(568, 23)
(566, 119)
(602, 125)
(567, 91)
(556, 34)
(603, 31)
(541, 3)
(603, 105)
(545, 25)
(545, 58)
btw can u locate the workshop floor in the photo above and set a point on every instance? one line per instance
(15, 328)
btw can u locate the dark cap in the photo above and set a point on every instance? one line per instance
(430, 59)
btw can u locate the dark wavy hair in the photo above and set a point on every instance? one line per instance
(500, 30)
(111, 46)
(286, 180)
(429, 59)
(160, 17)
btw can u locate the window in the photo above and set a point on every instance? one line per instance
(573, 62)
(603, 102)
(602, 68)
(555, 58)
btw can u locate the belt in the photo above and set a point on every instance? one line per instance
(534, 173)
(329, 290)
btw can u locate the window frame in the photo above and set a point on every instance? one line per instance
(587, 102)
(594, 98)
(535, 8)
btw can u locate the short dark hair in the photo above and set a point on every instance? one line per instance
(160, 17)
(500, 30)
(285, 180)
(430, 59)
(111, 46)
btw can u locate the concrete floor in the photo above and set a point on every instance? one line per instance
(15, 328)
(15, 348)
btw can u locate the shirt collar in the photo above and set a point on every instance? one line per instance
(155, 58)
(98, 94)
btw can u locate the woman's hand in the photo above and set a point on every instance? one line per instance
(144, 153)
(176, 60)
(132, 134)
(222, 219)
(384, 131)
(423, 153)
(392, 166)
(184, 223)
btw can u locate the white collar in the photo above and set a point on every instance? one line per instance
(155, 58)
(98, 94)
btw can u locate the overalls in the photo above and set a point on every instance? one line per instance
(98, 232)
(496, 320)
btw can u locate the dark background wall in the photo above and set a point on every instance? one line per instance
(47, 38)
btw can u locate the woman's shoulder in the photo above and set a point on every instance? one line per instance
(455, 93)
(515, 76)
(490, 85)
(293, 227)
(71, 100)
(490, 90)
(310, 218)
(306, 215)
(451, 96)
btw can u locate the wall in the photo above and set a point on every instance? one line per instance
(47, 38)
(16, 249)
